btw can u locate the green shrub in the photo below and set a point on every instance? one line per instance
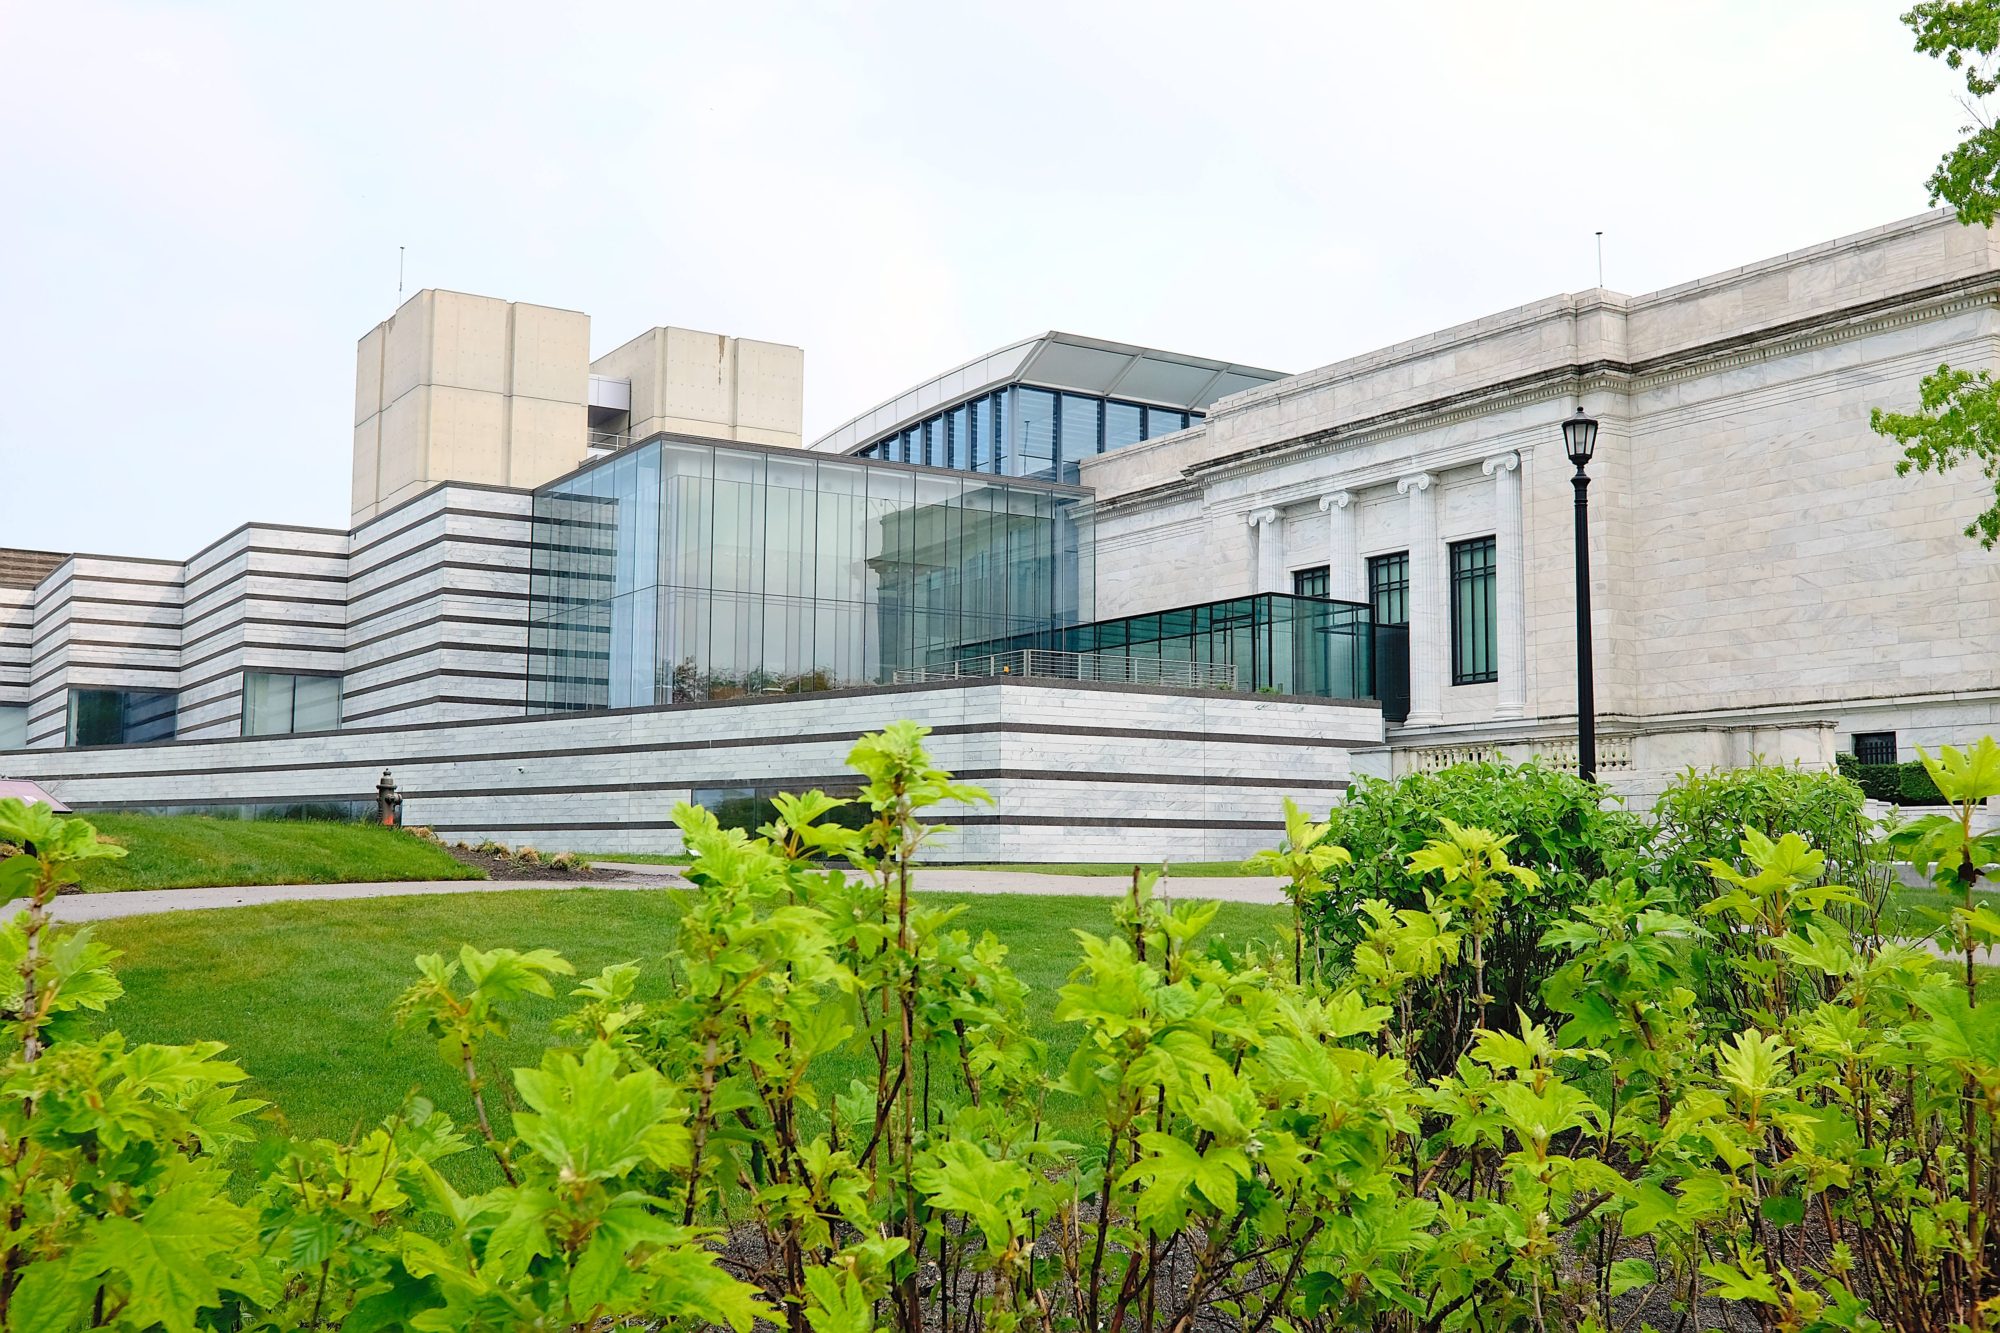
(1907, 783)
(1818, 1159)
(1915, 786)
(1562, 828)
(1702, 815)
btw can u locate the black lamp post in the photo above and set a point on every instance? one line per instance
(1579, 442)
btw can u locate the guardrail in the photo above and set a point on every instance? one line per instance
(1050, 665)
(1614, 753)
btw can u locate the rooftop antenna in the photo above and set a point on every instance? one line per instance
(400, 249)
(1600, 260)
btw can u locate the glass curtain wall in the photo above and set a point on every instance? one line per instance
(1278, 644)
(1023, 431)
(682, 571)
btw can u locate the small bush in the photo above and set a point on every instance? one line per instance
(1560, 829)
(1702, 815)
(527, 856)
(1916, 785)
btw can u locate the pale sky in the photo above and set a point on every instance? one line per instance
(200, 204)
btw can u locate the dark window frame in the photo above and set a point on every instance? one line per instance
(1874, 747)
(1389, 577)
(1312, 581)
(292, 727)
(1475, 635)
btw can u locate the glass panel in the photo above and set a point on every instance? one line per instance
(267, 704)
(1124, 423)
(1163, 421)
(1311, 582)
(121, 717)
(315, 703)
(981, 449)
(1036, 434)
(1389, 588)
(1473, 640)
(957, 436)
(1081, 435)
(13, 726)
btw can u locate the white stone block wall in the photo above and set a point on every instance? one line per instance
(101, 622)
(422, 612)
(438, 609)
(1077, 772)
(1755, 559)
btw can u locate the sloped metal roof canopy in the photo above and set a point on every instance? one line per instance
(1058, 361)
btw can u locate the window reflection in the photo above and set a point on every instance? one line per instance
(681, 571)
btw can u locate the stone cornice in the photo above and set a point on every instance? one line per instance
(1618, 377)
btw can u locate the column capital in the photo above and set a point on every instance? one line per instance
(1419, 481)
(1337, 500)
(1268, 514)
(1506, 462)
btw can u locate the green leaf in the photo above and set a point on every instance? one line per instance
(50, 1299)
(164, 1254)
(838, 1304)
(1783, 1210)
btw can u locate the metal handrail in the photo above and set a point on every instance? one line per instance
(1047, 664)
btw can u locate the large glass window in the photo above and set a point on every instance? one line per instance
(1124, 423)
(1026, 432)
(1474, 650)
(13, 726)
(681, 571)
(1389, 588)
(1312, 582)
(1269, 643)
(984, 414)
(1164, 421)
(1082, 435)
(276, 703)
(121, 717)
(1035, 434)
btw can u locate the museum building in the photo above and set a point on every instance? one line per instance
(1139, 595)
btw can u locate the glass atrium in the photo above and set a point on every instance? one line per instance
(1276, 644)
(1020, 431)
(680, 570)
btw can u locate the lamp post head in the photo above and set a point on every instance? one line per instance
(1580, 438)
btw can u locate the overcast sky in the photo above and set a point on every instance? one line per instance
(200, 204)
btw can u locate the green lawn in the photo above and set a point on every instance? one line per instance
(1175, 870)
(179, 851)
(301, 992)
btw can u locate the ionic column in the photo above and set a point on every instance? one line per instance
(1267, 537)
(1511, 622)
(1430, 619)
(1346, 580)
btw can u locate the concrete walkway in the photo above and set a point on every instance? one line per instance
(80, 907)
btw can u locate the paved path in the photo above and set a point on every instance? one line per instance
(79, 907)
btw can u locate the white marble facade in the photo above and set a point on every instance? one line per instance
(1755, 559)
(1077, 771)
